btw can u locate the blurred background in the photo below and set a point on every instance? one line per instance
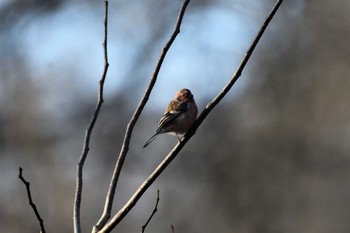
(272, 157)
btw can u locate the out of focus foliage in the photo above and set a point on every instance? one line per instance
(272, 157)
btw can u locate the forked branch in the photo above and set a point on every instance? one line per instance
(125, 146)
(173, 153)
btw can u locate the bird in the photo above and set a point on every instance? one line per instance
(178, 117)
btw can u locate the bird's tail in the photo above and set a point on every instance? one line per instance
(151, 139)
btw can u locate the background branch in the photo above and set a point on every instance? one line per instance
(80, 165)
(153, 212)
(31, 203)
(125, 146)
(173, 153)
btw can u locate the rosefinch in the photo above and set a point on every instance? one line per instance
(178, 117)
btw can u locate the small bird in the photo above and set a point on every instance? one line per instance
(178, 117)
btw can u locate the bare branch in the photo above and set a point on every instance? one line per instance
(125, 146)
(153, 212)
(238, 72)
(85, 151)
(31, 203)
(173, 153)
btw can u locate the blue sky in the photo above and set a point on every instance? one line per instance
(65, 46)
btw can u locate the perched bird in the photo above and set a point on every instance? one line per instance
(178, 117)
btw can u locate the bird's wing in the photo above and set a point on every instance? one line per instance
(174, 110)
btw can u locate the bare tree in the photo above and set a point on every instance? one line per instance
(106, 223)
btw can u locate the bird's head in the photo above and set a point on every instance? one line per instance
(184, 95)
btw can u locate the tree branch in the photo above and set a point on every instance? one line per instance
(173, 153)
(31, 203)
(153, 212)
(125, 146)
(85, 151)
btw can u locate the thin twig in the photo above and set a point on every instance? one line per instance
(173, 153)
(172, 229)
(30, 200)
(153, 212)
(125, 146)
(85, 151)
